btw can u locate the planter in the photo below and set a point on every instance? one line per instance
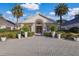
(26, 34)
(19, 36)
(53, 34)
(76, 39)
(59, 36)
(3, 38)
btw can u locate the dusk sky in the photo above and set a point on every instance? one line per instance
(31, 9)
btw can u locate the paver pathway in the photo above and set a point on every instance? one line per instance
(39, 46)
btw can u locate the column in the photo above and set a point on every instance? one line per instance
(44, 27)
(33, 27)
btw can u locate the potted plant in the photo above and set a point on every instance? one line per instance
(76, 37)
(53, 30)
(19, 35)
(3, 37)
(26, 30)
(59, 35)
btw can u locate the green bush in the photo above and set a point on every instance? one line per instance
(68, 36)
(3, 30)
(74, 30)
(9, 34)
(12, 35)
(7, 30)
(53, 27)
(48, 34)
(26, 29)
(63, 35)
(30, 34)
(3, 34)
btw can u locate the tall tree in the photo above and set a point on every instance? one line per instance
(60, 10)
(17, 12)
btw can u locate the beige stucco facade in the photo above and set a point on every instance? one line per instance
(38, 23)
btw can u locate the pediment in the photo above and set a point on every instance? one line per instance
(38, 17)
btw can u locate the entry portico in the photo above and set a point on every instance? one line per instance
(38, 23)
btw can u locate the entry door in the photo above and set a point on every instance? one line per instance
(38, 29)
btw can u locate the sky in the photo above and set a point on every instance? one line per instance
(30, 9)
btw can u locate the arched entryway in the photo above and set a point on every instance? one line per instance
(39, 26)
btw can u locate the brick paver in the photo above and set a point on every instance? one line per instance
(39, 46)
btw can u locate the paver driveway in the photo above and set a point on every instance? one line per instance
(39, 46)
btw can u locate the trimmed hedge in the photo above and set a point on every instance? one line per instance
(7, 30)
(48, 34)
(74, 30)
(9, 34)
(30, 34)
(3, 30)
(12, 35)
(68, 36)
(26, 28)
(53, 27)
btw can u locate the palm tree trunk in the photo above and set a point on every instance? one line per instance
(17, 23)
(60, 22)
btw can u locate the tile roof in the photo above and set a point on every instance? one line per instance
(3, 21)
(46, 17)
(32, 19)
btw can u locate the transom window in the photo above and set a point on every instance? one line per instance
(39, 21)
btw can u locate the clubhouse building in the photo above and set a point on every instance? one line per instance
(38, 23)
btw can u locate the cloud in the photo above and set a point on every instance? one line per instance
(10, 17)
(53, 16)
(51, 13)
(31, 6)
(71, 14)
(73, 11)
(8, 12)
(24, 15)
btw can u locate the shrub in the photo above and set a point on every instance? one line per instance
(26, 28)
(68, 36)
(74, 29)
(63, 35)
(48, 34)
(3, 30)
(22, 33)
(3, 34)
(9, 34)
(7, 30)
(12, 35)
(30, 34)
(53, 27)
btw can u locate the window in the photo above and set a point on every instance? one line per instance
(38, 21)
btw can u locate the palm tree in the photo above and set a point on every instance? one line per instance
(17, 12)
(61, 10)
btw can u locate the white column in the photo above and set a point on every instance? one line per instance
(26, 34)
(33, 27)
(59, 36)
(12, 28)
(19, 36)
(44, 27)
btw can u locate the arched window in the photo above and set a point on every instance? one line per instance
(39, 21)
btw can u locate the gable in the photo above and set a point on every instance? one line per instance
(33, 19)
